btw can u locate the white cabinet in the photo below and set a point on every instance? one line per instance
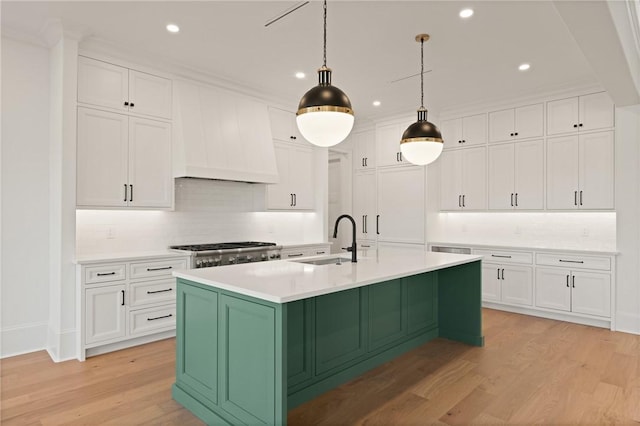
(463, 178)
(364, 150)
(401, 205)
(283, 126)
(110, 86)
(123, 161)
(575, 291)
(511, 284)
(388, 144)
(516, 123)
(364, 204)
(292, 252)
(491, 285)
(580, 171)
(579, 114)
(516, 176)
(295, 190)
(121, 301)
(465, 131)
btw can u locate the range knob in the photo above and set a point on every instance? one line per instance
(277, 255)
(263, 256)
(209, 262)
(198, 263)
(217, 261)
(232, 260)
(249, 259)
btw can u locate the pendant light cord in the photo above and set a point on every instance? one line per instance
(422, 73)
(325, 34)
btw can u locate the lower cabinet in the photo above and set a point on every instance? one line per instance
(290, 252)
(574, 291)
(106, 313)
(507, 283)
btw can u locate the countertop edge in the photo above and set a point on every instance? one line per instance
(123, 257)
(526, 248)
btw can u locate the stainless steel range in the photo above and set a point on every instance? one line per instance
(219, 254)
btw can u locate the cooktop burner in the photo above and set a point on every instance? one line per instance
(222, 246)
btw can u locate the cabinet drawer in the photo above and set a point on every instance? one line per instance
(293, 253)
(504, 256)
(156, 268)
(574, 261)
(152, 320)
(105, 273)
(316, 251)
(156, 291)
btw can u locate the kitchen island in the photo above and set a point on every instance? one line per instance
(255, 340)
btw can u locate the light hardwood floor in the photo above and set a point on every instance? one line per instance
(531, 370)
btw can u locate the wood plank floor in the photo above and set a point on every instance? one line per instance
(531, 370)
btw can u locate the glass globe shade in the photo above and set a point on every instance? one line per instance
(421, 153)
(325, 128)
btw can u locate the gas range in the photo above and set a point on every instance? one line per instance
(220, 254)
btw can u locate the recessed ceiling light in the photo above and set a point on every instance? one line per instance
(173, 28)
(524, 67)
(300, 75)
(376, 103)
(466, 13)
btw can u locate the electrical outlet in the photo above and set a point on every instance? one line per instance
(111, 232)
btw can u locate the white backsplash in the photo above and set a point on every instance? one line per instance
(563, 230)
(205, 211)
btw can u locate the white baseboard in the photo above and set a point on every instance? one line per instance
(61, 346)
(628, 322)
(543, 313)
(22, 339)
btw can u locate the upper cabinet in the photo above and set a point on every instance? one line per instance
(401, 205)
(388, 144)
(283, 126)
(295, 190)
(364, 150)
(580, 113)
(463, 179)
(465, 131)
(516, 123)
(121, 89)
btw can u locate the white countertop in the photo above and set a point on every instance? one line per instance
(565, 248)
(286, 280)
(116, 257)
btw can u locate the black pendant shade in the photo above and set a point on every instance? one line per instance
(324, 96)
(422, 130)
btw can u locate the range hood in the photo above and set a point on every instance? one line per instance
(219, 134)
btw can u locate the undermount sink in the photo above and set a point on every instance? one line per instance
(329, 261)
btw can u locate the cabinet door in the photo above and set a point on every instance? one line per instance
(364, 204)
(150, 177)
(591, 293)
(102, 84)
(491, 283)
(596, 111)
(562, 116)
(529, 121)
(149, 95)
(517, 284)
(474, 129)
(299, 320)
(387, 320)
(280, 195)
(302, 177)
(501, 177)
(367, 146)
(401, 204)
(501, 125)
(553, 289)
(388, 145)
(452, 133)
(596, 171)
(102, 155)
(422, 301)
(474, 179)
(451, 180)
(105, 313)
(282, 123)
(562, 173)
(529, 175)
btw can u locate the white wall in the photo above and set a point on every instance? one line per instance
(25, 197)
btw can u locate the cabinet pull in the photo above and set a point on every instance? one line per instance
(463, 205)
(157, 318)
(401, 159)
(366, 161)
(575, 198)
(320, 252)
(125, 192)
(512, 199)
(567, 280)
(377, 224)
(571, 261)
(291, 202)
(502, 274)
(498, 273)
(575, 126)
(516, 133)
(126, 103)
(363, 162)
(397, 156)
(573, 281)
(105, 274)
(511, 134)
(365, 224)
(295, 200)
(459, 200)
(501, 255)
(131, 187)
(295, 255)
(365, 246)
(159, 269)
(122, 304)
(580, 125)
(159, 291)
(580, 197)
(516, 199)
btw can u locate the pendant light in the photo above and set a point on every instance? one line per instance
(324, 116)
(421, 143)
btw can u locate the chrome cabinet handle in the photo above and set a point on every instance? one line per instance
(159, 269)
(159, 291)
(157, 318)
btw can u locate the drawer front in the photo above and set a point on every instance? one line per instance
(105, 273)
(367, 245)
(293, 253)
(574, 261)
(316, 251)
(152, 320)
(505, 256)
(156, 291)
(156, 268)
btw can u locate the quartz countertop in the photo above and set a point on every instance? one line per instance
(287, 280)
(547, 247)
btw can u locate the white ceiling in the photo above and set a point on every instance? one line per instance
(370, 44)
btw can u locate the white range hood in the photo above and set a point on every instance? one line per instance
(219, 134)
